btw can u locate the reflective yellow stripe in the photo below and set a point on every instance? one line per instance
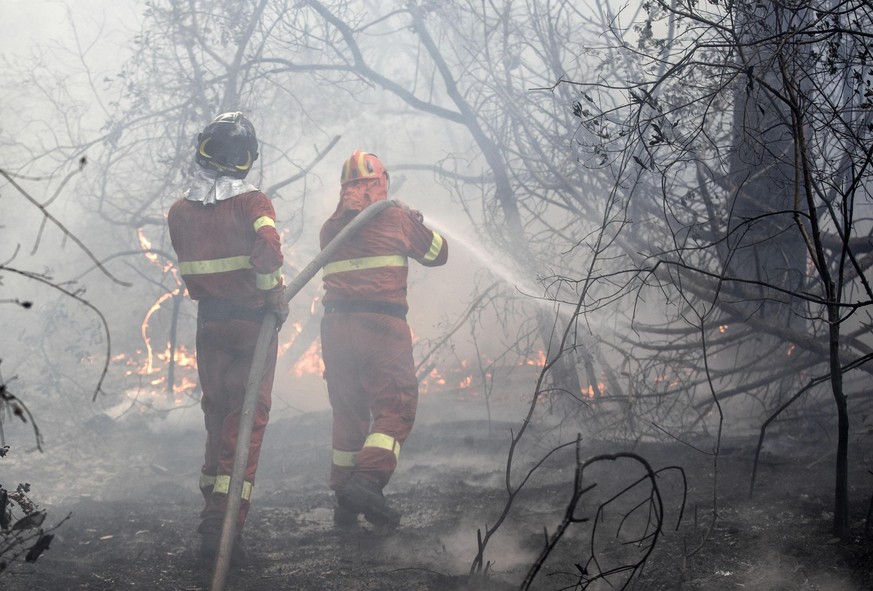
(215, 265)
(391, 260)
(362, 168)
(344, 459)
(262, 280)
(264, 221)
(382, 441)
(268, 280)
(207, 481)
(205, 154)
(222, 485)
(361, 165)
(435, 247)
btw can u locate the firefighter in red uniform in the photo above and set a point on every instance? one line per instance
(366, 343)
(224, 233)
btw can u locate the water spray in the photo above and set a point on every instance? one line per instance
(498, 267)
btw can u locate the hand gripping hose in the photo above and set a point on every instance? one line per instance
(243, 443)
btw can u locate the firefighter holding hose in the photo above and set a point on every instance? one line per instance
(224, 233)
(366, 342)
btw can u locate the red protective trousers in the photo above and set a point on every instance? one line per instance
(224, 357)
(373, 391)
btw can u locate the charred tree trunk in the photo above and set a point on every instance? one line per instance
(771, 172)
(762, 243)
(562, 373)
(841, 485)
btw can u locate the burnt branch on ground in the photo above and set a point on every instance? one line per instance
(649, 511)
(21, 533)
(12, 405)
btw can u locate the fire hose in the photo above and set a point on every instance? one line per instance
(243, 441)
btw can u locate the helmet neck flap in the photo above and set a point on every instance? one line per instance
(209, 186)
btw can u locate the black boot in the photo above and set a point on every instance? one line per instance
(343, 514)
(210, 542)
(210, 539)
(239, 554)
(364, 496)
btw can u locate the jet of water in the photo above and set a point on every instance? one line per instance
(497, 266)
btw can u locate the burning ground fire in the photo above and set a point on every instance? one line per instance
(309, 363)
(154, 368)
(462, 378)
(157, 366)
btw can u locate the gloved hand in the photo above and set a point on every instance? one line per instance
(413, 212)
(277, 304)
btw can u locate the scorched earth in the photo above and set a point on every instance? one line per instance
(126, 493)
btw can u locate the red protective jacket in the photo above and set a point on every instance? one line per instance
(366, 343)
(228, 250)
(373, 265)
(230, 257)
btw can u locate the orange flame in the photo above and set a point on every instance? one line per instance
(185, 378)
(152, 257)
(284, 346)
(432, 381)
(145, 326)
(590, 392)
(538, 360)
(310, 362)
(180, 357)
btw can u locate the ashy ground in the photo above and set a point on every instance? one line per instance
(131, 495)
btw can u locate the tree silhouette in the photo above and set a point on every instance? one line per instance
(754, 133)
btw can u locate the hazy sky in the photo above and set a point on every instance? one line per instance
(28, 23)
(25, 21)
